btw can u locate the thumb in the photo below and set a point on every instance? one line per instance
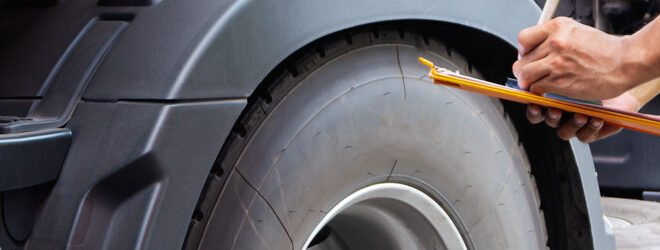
(540, 87)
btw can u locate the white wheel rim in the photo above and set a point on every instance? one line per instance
(410, 202)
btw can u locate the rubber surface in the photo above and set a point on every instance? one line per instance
(357, 111)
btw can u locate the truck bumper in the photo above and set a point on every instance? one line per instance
(32, 158)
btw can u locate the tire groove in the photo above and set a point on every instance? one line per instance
(268, 204)
(403, 78)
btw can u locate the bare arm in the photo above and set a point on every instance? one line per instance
(644, 53)
(646, 92)
(565, 57)
(575, 60)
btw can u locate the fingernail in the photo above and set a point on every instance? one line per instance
(579, 120)
(534, 112)
(521, 51)
(596, 123)
(553, 115)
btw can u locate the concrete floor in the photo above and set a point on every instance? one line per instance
(636, 223)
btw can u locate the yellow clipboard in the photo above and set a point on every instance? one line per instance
(630, 120)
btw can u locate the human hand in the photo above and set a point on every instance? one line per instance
(565, 57)
(587, 129)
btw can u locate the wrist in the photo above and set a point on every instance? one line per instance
(645, 92)
(631, 61)
(636, 103)
(638, 63)
(631, 101)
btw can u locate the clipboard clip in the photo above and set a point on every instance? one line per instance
(437, 72)
(436, 69)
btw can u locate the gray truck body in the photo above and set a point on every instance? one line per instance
(153, 88)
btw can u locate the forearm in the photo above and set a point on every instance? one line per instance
(642, 54)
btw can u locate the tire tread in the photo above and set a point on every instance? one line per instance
(274, 90)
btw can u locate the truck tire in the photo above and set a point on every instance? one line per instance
(350, 145)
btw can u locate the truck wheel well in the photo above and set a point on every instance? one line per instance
(551, 159)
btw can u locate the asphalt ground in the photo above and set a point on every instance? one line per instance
(636, 223)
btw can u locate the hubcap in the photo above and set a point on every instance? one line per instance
(386, 216)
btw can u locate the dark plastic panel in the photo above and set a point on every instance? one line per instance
(145, 61)
(133, 174)
(28, 159)
(127, 2)
(17, 107)
(108, 218)
(19, 209)
(70, 79)
(224, 49)
(40, 37)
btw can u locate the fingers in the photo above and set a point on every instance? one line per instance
(541, 51)
(531, 48)
(553, 117)
(546, 84)
(584, 128)
(532, 72)
(530, 38)
(606, 131)
(589, 132)
(534, 114)
(521, 68)
(569, 129)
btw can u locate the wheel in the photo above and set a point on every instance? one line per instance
(352, 147)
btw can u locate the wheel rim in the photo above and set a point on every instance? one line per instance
(386, 215)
